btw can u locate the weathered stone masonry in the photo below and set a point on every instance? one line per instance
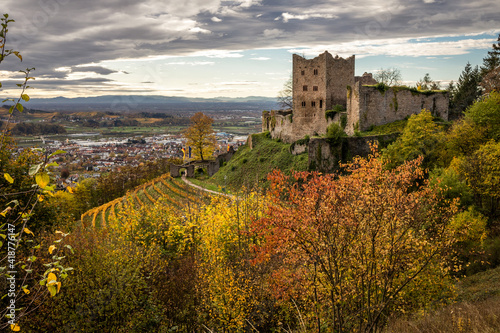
(321, 83)
(367, 106)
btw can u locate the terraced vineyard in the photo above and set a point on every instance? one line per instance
(173, 191)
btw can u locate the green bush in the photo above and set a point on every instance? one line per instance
(343, 121)
(420, 137)
(330, 114)
(334, 132)
(486, 113)
(451, 184)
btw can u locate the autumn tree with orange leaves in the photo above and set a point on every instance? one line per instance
(354, 249)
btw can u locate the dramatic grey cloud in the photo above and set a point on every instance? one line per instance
(58, 36)
(93, 69)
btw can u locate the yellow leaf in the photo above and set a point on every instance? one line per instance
(70, 190)
(5, 211)
(58, 286)
(8, 178)
(51, 249)
(42, 179)
(15, 327)
(28, 231)
(26, 291)
(51, 277)
(40, 197)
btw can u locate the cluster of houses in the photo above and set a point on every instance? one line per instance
(85, 158)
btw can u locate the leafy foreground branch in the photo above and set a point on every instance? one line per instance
(30, 271)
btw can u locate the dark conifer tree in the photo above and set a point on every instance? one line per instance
(466, 91)
(492, 60)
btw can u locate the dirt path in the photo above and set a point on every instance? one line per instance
(184, 179)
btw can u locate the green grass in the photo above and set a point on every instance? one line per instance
(207, 183)
(394, 127)
(480, 286)
(251, 166)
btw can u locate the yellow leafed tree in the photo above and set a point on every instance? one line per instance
(200, 136)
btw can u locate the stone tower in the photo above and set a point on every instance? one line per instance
(318, 85)
(321, 83)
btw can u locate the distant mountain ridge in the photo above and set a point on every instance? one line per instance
(159, 103)
(151, 99)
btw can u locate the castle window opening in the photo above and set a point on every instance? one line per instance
(315, 72)
(304, 88)
(313, 104)
(302, 72)
(303, 104)
(320, 103)
(315, 88)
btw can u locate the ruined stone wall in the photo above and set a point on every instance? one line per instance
(175, 170)
(368, 106)
(280, 125)
(365, 79)
(288, 129)
(353, 109)
(212, 166)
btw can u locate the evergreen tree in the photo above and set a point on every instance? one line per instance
(426, 83)
(492, 60)
(466, 90)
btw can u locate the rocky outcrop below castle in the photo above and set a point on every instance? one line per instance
(325, 155)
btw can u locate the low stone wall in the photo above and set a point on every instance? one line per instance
(214, 166)
(175, 170)
(297, 149)
(325, 156)
(289, 127)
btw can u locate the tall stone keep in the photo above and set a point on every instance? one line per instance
(318, 85)
(321, 83)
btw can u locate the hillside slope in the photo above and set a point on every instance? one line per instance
(173, 192)
(249, 166)
(477, 309)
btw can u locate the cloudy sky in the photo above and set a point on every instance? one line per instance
(209, 48)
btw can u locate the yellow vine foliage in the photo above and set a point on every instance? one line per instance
(228, 291)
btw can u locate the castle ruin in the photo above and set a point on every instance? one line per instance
(326, 91)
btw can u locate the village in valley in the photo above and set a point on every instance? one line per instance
(94, 143)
